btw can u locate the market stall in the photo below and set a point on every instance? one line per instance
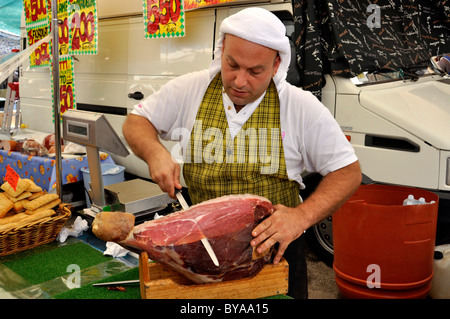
(80, 262)
(42, 169)
(55, 269)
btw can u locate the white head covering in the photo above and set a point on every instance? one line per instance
(259, 26)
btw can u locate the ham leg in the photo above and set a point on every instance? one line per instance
(175, 240)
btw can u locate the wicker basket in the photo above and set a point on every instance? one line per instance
(34, 234)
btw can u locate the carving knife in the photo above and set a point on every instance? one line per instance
(205, 241)
(116, 283)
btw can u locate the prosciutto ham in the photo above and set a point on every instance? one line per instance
(175, 240)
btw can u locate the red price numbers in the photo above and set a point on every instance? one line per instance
(63, 32)
(161, 12)
(37, 9)
(83, 27)
(42, 54)
(66, 97)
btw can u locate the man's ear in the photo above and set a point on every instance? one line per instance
(223, 43)
(276, 64)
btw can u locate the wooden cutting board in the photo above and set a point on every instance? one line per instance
(160, 282)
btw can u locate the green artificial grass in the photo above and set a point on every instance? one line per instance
(132, 291)
(47, 265)
(50, 262)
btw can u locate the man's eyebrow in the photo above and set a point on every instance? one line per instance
(259, 66)
(229, 57)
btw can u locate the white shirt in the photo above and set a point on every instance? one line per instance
(312, 139)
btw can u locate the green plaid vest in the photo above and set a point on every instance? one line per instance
(251, 163)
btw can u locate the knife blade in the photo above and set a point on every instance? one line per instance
(116, 283)
(181, 200)
(204, 241)
(210, 251)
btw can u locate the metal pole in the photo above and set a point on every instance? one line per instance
(56, 96)
(97, 191)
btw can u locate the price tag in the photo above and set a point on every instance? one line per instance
(63, 25)
(11, 177)
(195, 4)
(35, 11)
(83, 21)
(41, 56)
(37, 27)
(163, 18)
(66, 85)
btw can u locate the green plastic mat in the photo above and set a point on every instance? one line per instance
(59, 270)
(67, 271)
(54, 263)
(131, 291)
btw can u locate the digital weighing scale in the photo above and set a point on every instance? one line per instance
(95, 132)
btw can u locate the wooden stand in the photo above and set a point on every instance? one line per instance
(160, 282)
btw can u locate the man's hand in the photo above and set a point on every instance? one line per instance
(143, 139)
(165, 172)
(283, 226)
(287, 224)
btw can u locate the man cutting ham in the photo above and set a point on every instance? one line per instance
(243, 129)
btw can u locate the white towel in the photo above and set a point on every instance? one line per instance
(259, 26)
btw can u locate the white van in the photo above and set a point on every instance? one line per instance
(387, 122)
(400, 131)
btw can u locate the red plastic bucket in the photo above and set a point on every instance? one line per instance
(383, 249)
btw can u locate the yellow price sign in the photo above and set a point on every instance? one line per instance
(163, 18)
(83, 27)
(35, 11)
(41, 56)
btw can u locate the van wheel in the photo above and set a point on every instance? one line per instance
(320, 240)
(319, 237)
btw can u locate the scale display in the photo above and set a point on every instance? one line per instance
(78, 129)
(92, 129)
